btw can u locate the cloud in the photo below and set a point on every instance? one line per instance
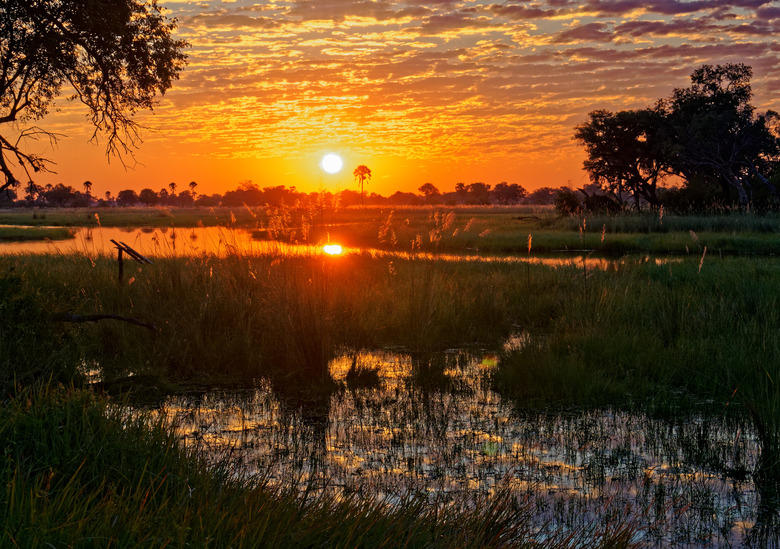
(590, 32)
(444, 77)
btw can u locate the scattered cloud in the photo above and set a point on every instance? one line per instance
(444, 78)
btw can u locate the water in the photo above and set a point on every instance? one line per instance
(436, 427)
(219, 241)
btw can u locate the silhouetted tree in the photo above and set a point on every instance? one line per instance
(148, 197)
(193, 185)
(462, 191)
(542, 196)
(116, 57)
(31, 191)
(504, 193)
(172, 186)
(184, 199)
(707, 134)
(127, 197)
(428, 190)
(88, 188)
(714, 132)
(246, 193)
(362, 174)
(479, 193)
(567, 202)
(62, 195)
(625, 152)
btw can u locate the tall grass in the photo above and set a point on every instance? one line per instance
(104, 478)
(657, 336)
(641, 333)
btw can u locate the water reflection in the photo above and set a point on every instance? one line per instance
(220, 241)
(433, 425)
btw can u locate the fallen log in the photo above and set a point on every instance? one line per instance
(71, 317)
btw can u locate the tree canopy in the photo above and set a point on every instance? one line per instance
(708, 135)
(114, 56)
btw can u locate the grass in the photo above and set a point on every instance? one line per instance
(22, 234)
(105, 478)
(701, 332)
(458, 230)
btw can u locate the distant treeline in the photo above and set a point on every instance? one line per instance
(251, 194)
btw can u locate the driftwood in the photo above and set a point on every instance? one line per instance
(122, 247)
(70, 317)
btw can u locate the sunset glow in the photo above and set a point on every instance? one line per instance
(441, 92)
(332, 249)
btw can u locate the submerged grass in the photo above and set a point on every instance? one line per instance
(102, 477)
(702, 332)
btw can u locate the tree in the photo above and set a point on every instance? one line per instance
(148, 197)
(479, 193)
(714, 133)
(625, 152)
(115, 56)
(462, 190)
(567, 202)
(428, 190)
(505, 193)
(362, 174)
(193, 185)
(542, 195)
(60, 195)
(31, 191)
(127, 197)
(172, 186)
(88, 188)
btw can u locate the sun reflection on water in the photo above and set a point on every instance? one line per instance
(332, 249)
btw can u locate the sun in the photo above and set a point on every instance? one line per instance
(331, 163)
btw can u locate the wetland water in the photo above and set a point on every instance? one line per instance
(436, 427)
(181, 242)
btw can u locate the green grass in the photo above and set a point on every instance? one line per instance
(459, 230)
(21, 234)
(79, 471)
(702, 332)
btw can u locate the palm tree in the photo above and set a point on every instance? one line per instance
(172, 187)
(32, 191)
(192, 188)
(88, 188)
(362, 173)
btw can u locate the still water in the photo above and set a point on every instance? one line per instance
(435, 426)
(220, 241)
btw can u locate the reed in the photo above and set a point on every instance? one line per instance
(104, 477)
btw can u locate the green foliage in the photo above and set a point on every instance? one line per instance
(33, 346)
(79, 471)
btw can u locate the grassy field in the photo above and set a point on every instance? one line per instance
(21, 234)
(701, 332)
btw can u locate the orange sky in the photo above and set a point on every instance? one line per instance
(443, 91)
